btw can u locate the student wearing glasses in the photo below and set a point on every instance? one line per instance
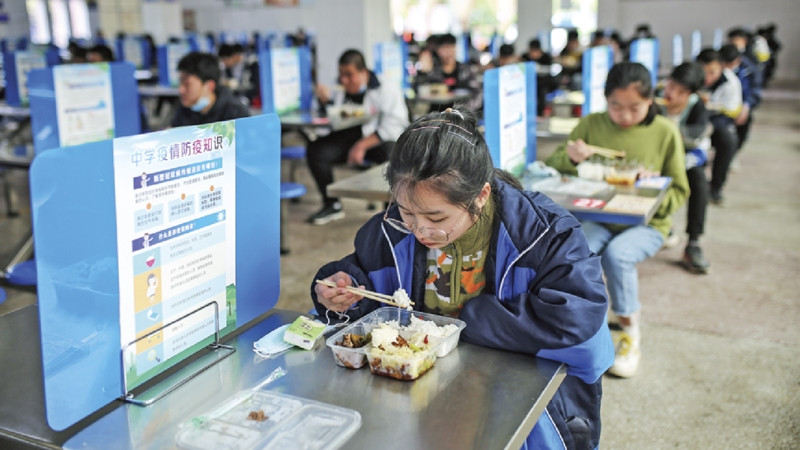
(463, 239)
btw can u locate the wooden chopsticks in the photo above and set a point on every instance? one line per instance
(607, 152)
(383, 298)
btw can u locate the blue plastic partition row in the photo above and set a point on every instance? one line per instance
(44, 112)
(74, 220)
(507, 82)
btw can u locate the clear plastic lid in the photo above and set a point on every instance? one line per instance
(262, 419)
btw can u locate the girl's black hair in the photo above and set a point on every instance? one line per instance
(445, 152)
(689, 75)
(625, 74)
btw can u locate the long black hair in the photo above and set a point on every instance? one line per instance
(634, 74)
(444, 152)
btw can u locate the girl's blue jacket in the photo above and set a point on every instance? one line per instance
(545, 297)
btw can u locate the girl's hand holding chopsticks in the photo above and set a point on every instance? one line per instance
(579, 151)
(360, 292)
(334, 293)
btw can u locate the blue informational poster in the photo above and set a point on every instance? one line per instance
(509, 111)
(285, 79)
(16, 67)
(84, 103)
(79, 103)
(175, 194)
(168, 57)
(76, 215)
(677, 50)
(697, 43)
(646, 52)
(390, 64)
(597, 61)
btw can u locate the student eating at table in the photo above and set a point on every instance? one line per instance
(633, 125)
(361, 145)
(202, 98)
(463, 239)
(455, 75)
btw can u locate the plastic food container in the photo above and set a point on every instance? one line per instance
(442, 345)
(407, 366)
(352, 358)
(268, 420)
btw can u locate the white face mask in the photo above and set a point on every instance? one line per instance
(272, 344)
(201, 104)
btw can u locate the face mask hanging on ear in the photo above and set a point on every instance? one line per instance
(201, 104)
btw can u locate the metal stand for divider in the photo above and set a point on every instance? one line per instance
(128, 396)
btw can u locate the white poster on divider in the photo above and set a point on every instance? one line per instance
(677, 50)
(132, 49)
(175, 206)
(645, 52)
(84, 103)
(25, 62)
(596, 64)
(513, 118)
(174, 54)
(391, 63)
(285, 64)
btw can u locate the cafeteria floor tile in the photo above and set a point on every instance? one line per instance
(721, 352)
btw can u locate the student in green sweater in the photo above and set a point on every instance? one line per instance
(633, 125)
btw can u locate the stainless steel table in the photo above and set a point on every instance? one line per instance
(474, 398)
(371, 185)
(302, 120)
(156, 90)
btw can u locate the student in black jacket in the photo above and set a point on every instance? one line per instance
(684, 107)
(202, 99)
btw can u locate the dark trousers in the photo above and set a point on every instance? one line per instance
(332, 149)
(725, 143)
(743, 130)
(698, 200)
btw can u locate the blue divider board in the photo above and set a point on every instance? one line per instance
(597, 61)
(72, 193)
(697, 43)
(646, 52)
(142, 60)
(13, 95)
(492, 90)
(167, 57)
(44, 119)
(383, 64)
(544, 40)
(677, 50)
(462, 47)
(718, 37)
(266, 78)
